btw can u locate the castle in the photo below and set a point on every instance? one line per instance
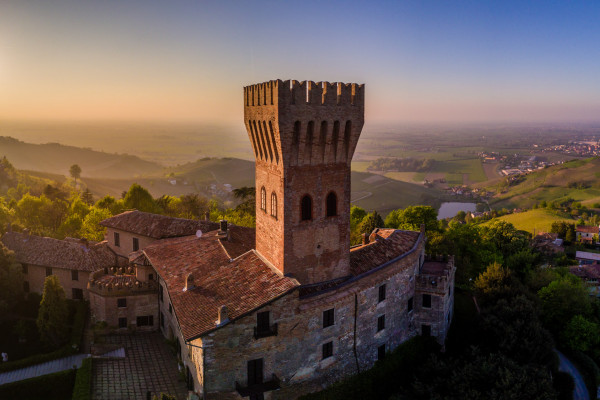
(283, 309)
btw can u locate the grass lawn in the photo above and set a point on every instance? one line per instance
(539, 220)
(360, 166)
(402, 176)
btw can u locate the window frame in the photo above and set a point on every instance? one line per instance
(329, 211)
(306, 208)
(74, 275)
(328, 318)
(48, 271)
(135, 244)
(327, 350)
(122, 322)
(426, 301)
(381, 323)
(263, 199)
(122, 302)
(274, 205)
(382, 290)
(117, 239)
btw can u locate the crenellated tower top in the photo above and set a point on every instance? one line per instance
(304, 135)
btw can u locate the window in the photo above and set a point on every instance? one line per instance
(24, 269)
(48, 271)
(426, 330)
(306, 206)
(121, 303)
(381, 293)
(26, 287)
(117, 239)
(327, 350)
(328, 318)
(380, 323)
(255, 372)
(122, 322)
(426, 301)
(273, 205)
(150, 277)
(331, 205)
(263, 199)
(170, 309)
(136, 244)
(263, 321)
(74, 275)
(145, 320)
(160, 293)
(77, 294)
(381, 352)
(410, 305)
(162, 320)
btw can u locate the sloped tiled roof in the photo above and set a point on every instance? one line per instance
(586, 271)
(384, 246)
(242, 284)
(49, 252)
(157, 226)
(588, 229)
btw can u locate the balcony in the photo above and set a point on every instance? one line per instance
(258, 388)
(271, 330)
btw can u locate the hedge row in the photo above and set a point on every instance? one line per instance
(57, 386)
(79, 319)
(83, 381)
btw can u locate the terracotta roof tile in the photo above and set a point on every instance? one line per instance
(242, 285)
(384, 246)
(49, 252)
(588, 229)
(157, 226)
(586, 271)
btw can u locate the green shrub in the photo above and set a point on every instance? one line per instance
(58, 386)
(37, 359)
(83, 381)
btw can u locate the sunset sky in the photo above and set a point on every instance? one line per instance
(432, 61)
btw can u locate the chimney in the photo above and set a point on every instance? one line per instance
(189, 283)
(365, 239)
(223, 225)
(223, 317)
(207, 216)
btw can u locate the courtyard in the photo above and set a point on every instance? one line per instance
(149, 365)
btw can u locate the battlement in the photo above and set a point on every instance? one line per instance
(294, 92)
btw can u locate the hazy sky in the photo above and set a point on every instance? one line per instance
(188, 60)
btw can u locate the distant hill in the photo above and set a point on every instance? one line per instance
(578, 180)
(56, 158)
(538, 220)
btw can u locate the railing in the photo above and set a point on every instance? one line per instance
(258, 388)
(271, 331)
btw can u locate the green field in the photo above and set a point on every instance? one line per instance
(538, 220)
(552, 184)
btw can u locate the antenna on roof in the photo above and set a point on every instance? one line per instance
(198, 233)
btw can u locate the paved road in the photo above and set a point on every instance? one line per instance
(50, 367)
(580, 392)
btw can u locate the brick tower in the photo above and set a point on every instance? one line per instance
(304, 135)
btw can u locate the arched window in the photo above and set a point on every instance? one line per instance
(273, 205)
(306, 206)
(331, 205)
(263, 199)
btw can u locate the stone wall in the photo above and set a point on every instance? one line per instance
(36, 275)
(295, 355)
(105, 308)
(126, 241)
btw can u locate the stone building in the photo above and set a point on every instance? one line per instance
(71, 260)
(288, 307)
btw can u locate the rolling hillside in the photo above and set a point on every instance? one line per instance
(56, 158)
(578, 180)
(538, 220)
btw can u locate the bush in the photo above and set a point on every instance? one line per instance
(37, 359)
(83, 381)
(58, 386)
(564, 385)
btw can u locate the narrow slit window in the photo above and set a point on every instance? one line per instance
(306, 206)
(273, 205)
(331, 205)
(347, 132)
(263, 199)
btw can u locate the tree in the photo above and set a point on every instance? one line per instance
(561, 300)
(91, 228)
(139, 198)
(581, 334)
(522, 262)
(493, 281)
(411, 218)
(11, 280)
(75, 171)
(53, 315)
(370, 222)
